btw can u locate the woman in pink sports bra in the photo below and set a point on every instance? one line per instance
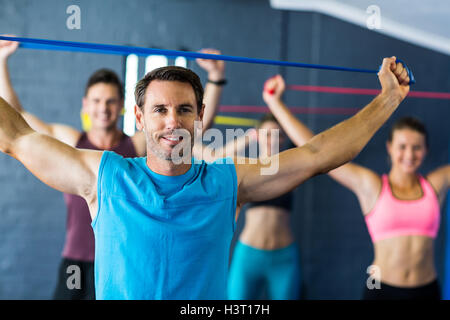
(401, 208)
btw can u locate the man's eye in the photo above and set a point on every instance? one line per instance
(185, 110)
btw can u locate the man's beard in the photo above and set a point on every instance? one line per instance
(175, 154)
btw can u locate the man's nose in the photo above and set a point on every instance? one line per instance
(102, 106)
(172, 120)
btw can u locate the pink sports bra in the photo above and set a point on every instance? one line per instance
(392, 217)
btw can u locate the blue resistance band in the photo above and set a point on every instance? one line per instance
(32, 43)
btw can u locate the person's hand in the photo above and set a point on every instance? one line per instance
(7, 47)
(273, 89)
(394, 78)
(215, 68)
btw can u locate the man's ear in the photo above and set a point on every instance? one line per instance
(202, 111)
(83, 104)
(122, 107)
(139, 118)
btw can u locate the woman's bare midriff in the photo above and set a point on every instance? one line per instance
(267, 228)
(405, 261)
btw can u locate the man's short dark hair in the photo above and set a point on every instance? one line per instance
(170, 73)
(105, 76)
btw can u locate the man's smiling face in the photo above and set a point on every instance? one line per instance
(169, 106)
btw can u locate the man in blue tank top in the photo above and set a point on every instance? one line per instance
(163, 227)
(102, 102)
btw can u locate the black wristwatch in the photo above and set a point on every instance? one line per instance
(219, 83)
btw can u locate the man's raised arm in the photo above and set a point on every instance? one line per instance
(329, 149)
(55, 163)
(213, 88)
(61, 132)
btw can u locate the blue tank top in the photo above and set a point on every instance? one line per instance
(163, 237)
